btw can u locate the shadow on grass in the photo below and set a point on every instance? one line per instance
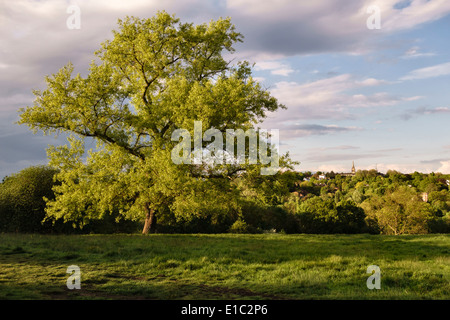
(271, 266)
(264, 249)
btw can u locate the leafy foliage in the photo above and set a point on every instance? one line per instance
(21, 199)
(155, 76)
(255, 204)
(393, 203)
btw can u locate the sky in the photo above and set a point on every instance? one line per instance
(363, 81)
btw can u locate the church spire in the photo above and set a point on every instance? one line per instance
(353, 167)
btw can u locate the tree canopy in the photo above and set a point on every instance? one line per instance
(153, 77)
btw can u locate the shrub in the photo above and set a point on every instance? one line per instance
(318, 215)
(440, 224)
(22, 207)
(239, 226)
(262, 217)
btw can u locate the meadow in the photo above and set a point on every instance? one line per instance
(224, 266)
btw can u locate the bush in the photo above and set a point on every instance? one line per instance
(351, 219)
(239, 226)
(318, 215)
(440, 224)
(261, 218)
(22, 207)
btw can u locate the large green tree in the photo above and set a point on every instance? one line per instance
(153, 77)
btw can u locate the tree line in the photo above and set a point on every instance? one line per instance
(290, 202)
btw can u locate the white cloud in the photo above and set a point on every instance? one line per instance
(330, 98)
(413, 98)
(428, 72)
(371, 82)
(405, 167)
(417, 13)
(259, 79)
(414, 52)
(275, 67)
(333, 167)
(344, 165)
(282, 72)
(444, 168)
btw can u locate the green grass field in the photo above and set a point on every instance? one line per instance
(224, 266)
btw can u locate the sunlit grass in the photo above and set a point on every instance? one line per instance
(225, 266)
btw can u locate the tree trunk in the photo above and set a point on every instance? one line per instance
(149, 219)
